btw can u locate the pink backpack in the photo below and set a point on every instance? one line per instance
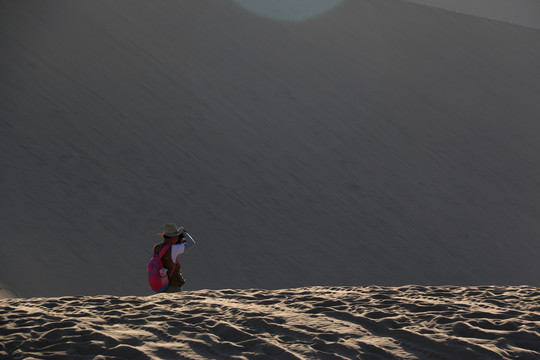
(159, 282)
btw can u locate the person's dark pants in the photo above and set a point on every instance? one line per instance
(173, 289)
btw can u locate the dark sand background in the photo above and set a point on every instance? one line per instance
(382, 143)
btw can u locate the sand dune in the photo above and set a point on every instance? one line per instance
(382, 142)
(522, 12)
(7, 291)
(408, 322)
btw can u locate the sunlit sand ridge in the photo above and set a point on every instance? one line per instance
(409, 322)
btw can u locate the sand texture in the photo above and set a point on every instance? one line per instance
(523, 12)
(409, 322)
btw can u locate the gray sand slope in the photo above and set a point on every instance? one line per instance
(380, 143)
(521, 12)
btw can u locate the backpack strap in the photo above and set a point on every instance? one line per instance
(161, 253)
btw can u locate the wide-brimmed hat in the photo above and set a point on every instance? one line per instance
(171, 230)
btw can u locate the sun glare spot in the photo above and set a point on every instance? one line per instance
(288, 10)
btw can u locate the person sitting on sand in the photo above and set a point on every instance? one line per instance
(180, 242)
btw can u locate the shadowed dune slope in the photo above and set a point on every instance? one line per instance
(7, 292)
(409, 322)
(380, 143)
(521, 12)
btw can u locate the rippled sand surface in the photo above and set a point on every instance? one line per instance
(409, 322)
